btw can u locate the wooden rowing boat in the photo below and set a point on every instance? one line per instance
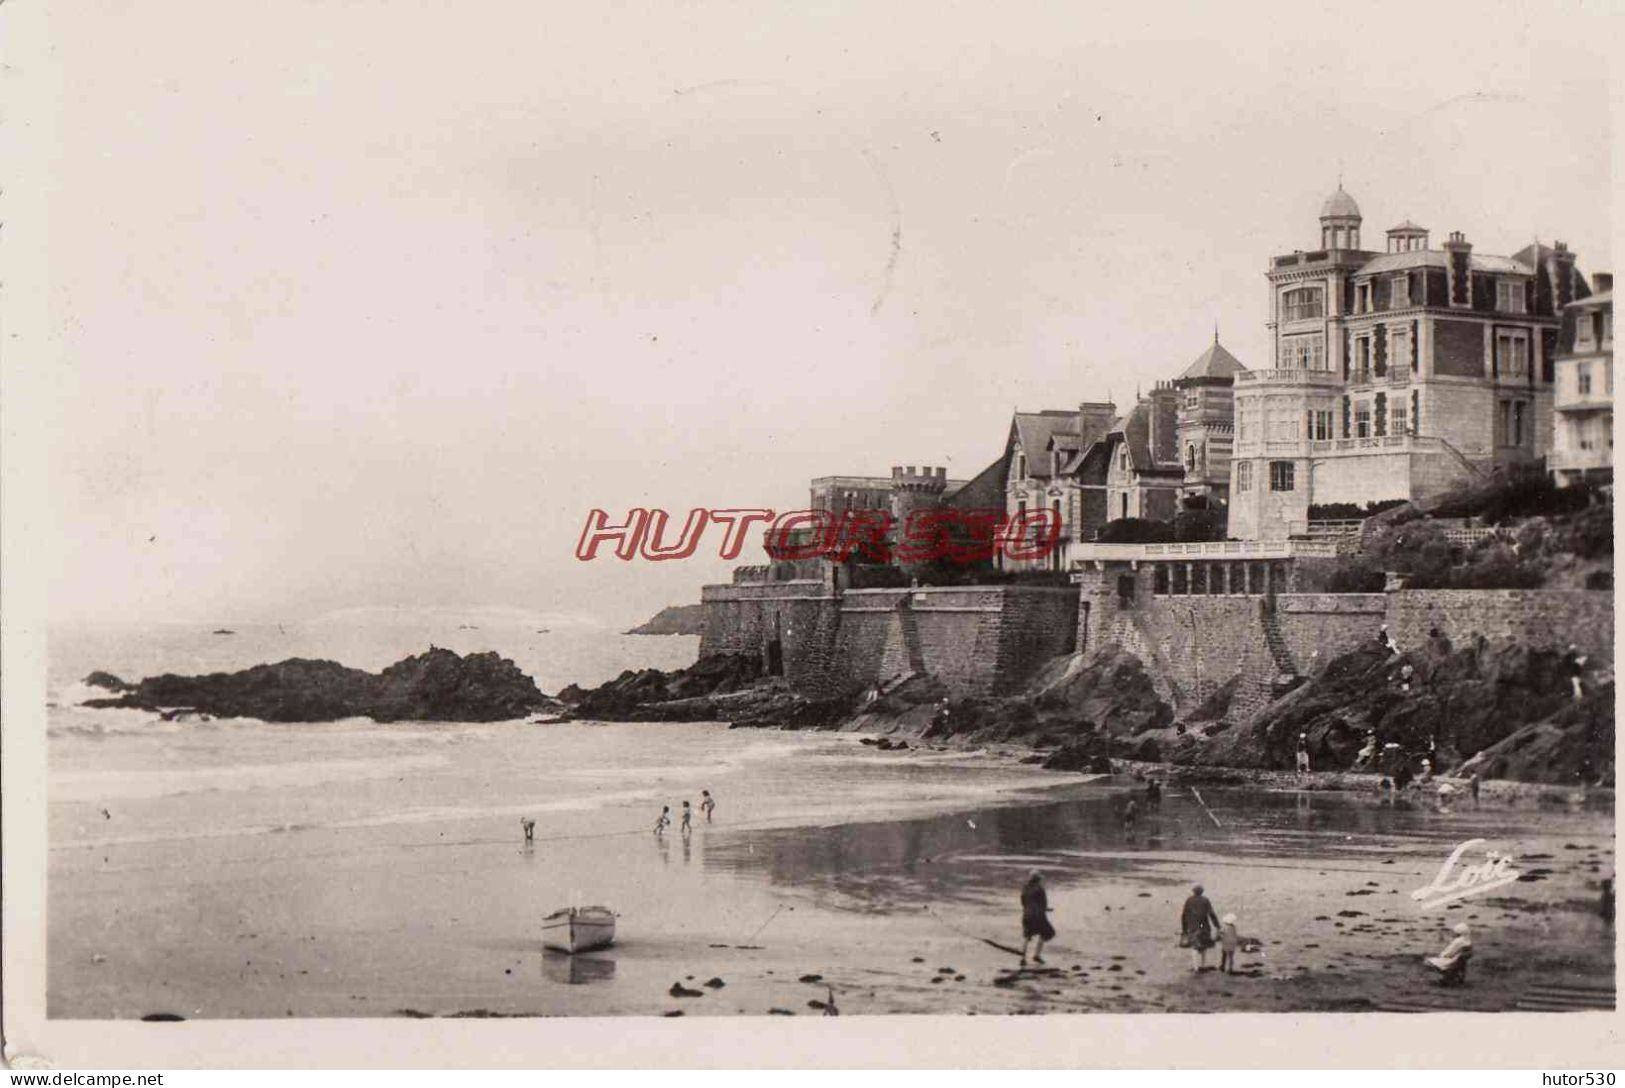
(579, 929)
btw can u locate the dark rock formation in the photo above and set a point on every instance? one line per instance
(436, 686)
(106, 681)
(677, 619)
(682, 695)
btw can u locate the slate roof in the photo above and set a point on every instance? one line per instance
(1438, 258)
(1032, 431)
(1215, 362)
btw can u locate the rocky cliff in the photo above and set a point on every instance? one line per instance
(1505, 712)
(677, 619)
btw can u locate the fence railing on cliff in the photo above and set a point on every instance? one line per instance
(1088, 551)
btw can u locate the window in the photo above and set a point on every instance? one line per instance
(1281, 475)
(1244, 476)
(1362, 420)
(1511, 355)
(1303, 303)
(1021, 465)
(1303, 352)
(1190, 458)
(1362, 359)
(1321, 426)
(1509, 296)
(1518, 411)
(1399, 292)
(1399, 353)
(1397, 414)
(1122, 458)
(1363, 299)
(1283, 421)
(1582, 378)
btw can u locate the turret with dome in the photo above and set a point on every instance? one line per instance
(1340, 221)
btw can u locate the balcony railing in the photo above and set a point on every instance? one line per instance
(1289, 374)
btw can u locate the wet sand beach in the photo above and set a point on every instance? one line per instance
(244, 870)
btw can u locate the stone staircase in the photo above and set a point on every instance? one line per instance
(1280, 652)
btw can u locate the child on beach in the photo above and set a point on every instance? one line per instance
(529, 827)
(688, 818)
(664, 821)
(1229, 941)
(707, 804)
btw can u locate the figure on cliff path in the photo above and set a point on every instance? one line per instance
(1573, 666)
(1197, 921)
(1035, 925)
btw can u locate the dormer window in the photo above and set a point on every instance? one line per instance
(1363, 298)
(1509, 296)
(1021, 465)
(1400, 291)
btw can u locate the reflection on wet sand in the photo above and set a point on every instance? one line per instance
(577, 969)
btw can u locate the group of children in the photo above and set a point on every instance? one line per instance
(708, 805)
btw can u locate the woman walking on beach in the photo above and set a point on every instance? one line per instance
(1197, 921)
(1035, 927)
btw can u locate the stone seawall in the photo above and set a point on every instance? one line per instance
(1548, 618)
(976, 640)
(988, 640)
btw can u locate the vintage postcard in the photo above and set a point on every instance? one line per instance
(642, 525)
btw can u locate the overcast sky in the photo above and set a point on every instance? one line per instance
(367, 304)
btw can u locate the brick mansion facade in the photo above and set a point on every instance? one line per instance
(1395, 374)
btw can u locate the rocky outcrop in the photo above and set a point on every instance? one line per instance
(436, 686)
(106, 681)
(697, 693)
(677, 619)
(1508, 711)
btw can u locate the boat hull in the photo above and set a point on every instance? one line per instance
(579, 929)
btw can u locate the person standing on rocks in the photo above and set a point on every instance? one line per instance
(1573, 665)
(1035, 925)
(1303, 753)
(1197, 921)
